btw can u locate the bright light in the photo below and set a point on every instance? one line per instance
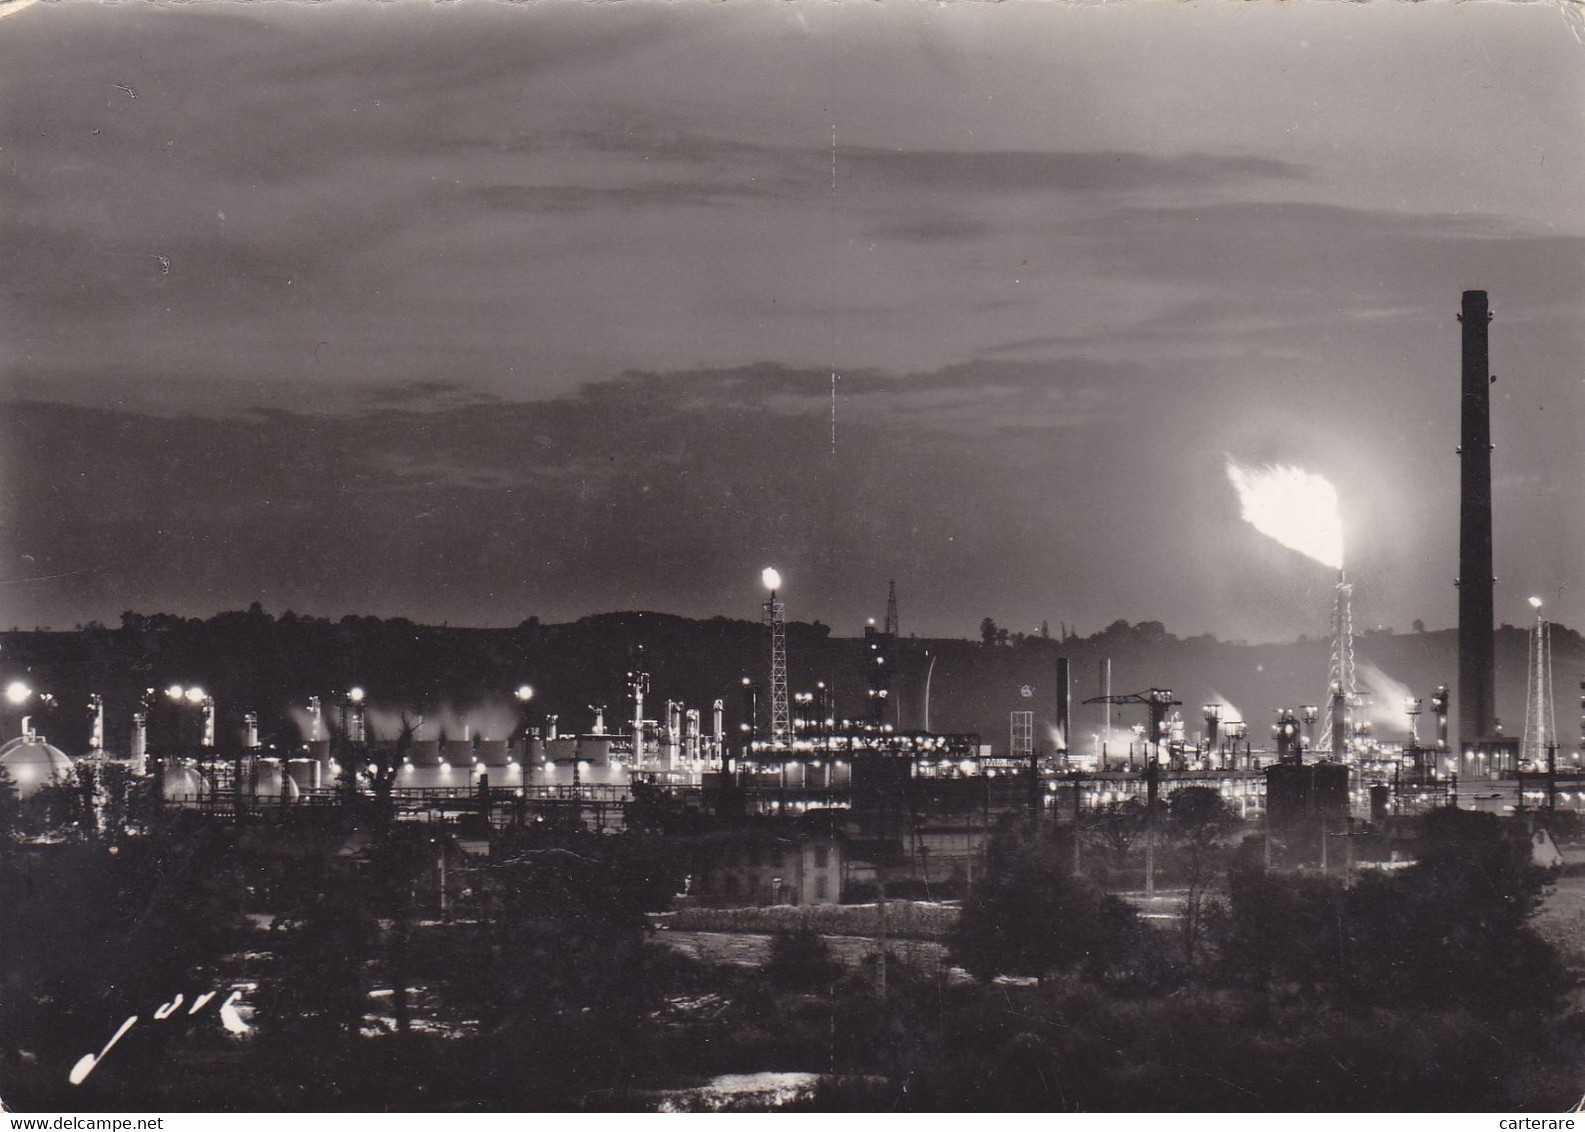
(17, 693)
(355, 695)
(1295, 507)
(525, 693)
(174, 691)
(195, 695)
(771, 578)
(1535, 603)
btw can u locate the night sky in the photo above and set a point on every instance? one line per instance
(480, 311)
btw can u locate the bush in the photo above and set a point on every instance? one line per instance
(1031, 916)
(801, 960)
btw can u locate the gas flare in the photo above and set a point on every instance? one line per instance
(1295, 507)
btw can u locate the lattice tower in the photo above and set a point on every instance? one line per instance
(780, 715)
(1540, 716)
(1341, 686)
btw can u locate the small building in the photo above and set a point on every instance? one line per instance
(762, 868)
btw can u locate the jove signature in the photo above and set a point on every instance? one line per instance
(229, 1018)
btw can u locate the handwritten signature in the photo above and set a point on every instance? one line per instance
(229, 1018)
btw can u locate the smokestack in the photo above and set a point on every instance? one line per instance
(140, 739)
(1064, 703)
(1477, 690)
(96, 723)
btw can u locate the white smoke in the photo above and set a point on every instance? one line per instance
(1385, 708)
(1230, 714)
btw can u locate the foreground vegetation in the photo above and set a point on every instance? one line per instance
(535, 984)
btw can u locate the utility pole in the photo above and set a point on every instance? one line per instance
(1078, 817)
(880, 966)
(1152, 773)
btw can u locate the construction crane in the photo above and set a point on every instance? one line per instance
(1157, 701)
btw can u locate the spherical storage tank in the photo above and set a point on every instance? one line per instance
(182, 780)
(32, 763)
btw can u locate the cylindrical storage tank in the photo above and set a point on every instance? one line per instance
(594, 749)
(425, 777)
(602, 774)
(272, 779)
(424, 752)
(457, 752)
(493, 752)
(562, 750)
(304, 772)
(383, 748)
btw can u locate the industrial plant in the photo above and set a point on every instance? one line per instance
(909, 805)
(717, 784)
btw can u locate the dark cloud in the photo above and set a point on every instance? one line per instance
(453, 311)
(1007, 171)
(583, 198)
(632, 489)
(928, 229)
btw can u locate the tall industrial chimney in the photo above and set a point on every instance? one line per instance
(1477, 685)
(1064, 705)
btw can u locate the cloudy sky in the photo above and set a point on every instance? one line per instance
(473, 311)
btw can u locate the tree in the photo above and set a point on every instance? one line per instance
(10, 807)
(1031, 916)
(1114, 827)
(1455, 928)
(988, 631)
(801, 960)
(1451, 932)
(1198, 819)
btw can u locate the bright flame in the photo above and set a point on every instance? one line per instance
(1535, 603)
(771, 578)
(1295, 507)
(17, 693)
